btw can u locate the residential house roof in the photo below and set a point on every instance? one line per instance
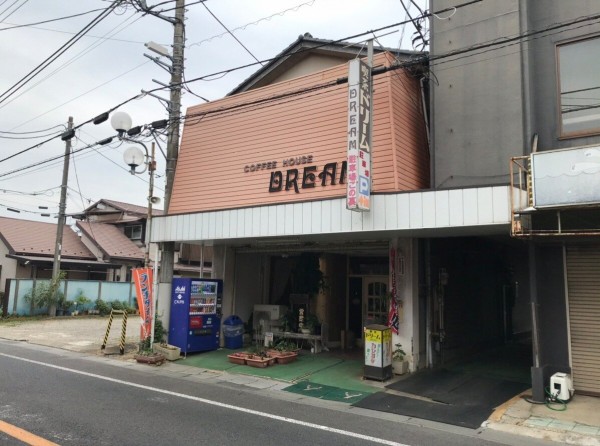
(303, 47)
(111, 241)
(130, 212)
(28, 237)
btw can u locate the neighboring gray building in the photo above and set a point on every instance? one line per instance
(509, 78)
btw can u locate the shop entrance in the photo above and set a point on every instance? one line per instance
(479, 304)
(367, 302)
(374, 300)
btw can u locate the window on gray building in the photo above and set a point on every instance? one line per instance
(134, 232)
(579, 65)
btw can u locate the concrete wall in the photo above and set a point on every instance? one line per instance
(487, 104)
(543, 65)
(476, 107)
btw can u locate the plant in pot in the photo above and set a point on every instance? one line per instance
(81, 301)
(285, 352)
(47, 295)
(146, 355)
(399, 365)
(311, 322)
(171, 352)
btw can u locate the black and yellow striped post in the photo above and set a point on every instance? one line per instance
(110, 319)
(123, 330)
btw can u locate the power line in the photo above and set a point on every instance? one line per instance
(27, 78)
(50, 20)
(256, 22)
(232, 35)
(10, 6)
(405, 64)
(16, 9)
(33, 131)
(79, 55)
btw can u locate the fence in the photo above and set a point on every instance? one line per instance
(16, 290)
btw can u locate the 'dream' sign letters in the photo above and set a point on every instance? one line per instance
(358, 186)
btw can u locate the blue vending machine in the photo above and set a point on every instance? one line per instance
(195, 321)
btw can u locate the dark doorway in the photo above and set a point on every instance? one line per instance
(355, 306)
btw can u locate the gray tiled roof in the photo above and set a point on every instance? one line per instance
(111, 241)
(39, 238)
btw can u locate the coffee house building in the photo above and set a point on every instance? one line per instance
(304, 168)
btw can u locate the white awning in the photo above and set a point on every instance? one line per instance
(471, 211)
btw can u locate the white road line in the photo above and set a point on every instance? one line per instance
(214, 403)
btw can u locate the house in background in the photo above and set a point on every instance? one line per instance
(27, 252)
(115, 232)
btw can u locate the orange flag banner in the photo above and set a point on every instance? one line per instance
(142, 278)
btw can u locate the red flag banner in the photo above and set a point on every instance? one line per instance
(142, 278)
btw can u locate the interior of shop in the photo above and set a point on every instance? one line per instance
(479, 301)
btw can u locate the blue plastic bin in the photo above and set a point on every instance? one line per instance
(233, 332)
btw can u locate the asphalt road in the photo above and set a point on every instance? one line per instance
(70, 399)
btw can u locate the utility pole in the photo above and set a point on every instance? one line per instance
(168, 248)
(61, 213)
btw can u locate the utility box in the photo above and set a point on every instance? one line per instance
(378, 352)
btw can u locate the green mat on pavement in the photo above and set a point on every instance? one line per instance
(320, 369)
(303, 367)
(325, 392)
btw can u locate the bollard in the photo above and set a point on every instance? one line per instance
(123, 330)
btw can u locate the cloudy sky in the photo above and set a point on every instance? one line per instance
(107, 66)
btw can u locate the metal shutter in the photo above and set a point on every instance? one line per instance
(583, 282)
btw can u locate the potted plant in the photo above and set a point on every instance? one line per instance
(311, 322)
(67, 307)
(399, 365)
(145, 355)
(257, 357)
(47, 294)
(170, 352)
(285, 352)
(81, 301)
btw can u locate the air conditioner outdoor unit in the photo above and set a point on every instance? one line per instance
(267, 318)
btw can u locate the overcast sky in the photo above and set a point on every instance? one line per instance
(107, 67)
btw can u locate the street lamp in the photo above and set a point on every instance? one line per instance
(134, 157)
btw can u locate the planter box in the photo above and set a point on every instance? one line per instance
(286, 358)
(237, 358)
(400, 367)
(170, 352)
(153, 359)
(259, 362)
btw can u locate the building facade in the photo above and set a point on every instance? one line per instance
(516, 80)
(261, 178)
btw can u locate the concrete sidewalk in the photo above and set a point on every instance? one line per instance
(579, 424)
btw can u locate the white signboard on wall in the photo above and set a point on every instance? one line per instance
(360, 122)
(566, 177)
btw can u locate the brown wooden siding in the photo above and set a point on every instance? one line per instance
(216, 147)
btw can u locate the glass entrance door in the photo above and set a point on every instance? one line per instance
(375, 309)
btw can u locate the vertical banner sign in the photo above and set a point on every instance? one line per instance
(358, 185)
(142, 278)
(393, 319)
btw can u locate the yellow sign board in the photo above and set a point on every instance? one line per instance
(374, 335)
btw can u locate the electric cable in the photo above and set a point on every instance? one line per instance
(34, 131)
(79, 55)
(15, 10)
(10, 6)
(399, 66)
(256, 22)
(27, 78)
(27, 25)
(232, 35)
